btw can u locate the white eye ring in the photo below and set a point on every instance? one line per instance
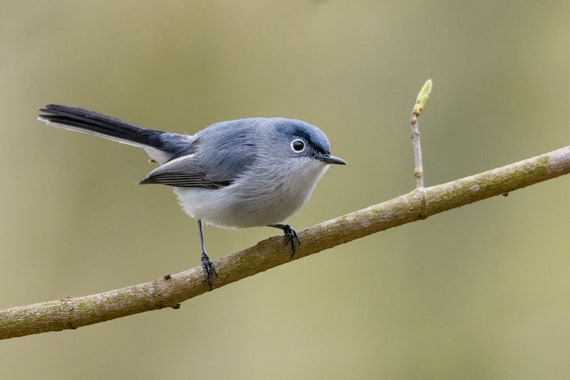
(298, 145)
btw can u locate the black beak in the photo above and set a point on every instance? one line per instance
(332, 160)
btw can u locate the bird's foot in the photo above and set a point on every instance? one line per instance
(209, 269)
(290, 235)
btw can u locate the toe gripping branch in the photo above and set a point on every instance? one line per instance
(291, 236)
(209, 269)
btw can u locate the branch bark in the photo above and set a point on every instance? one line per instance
(171, 290)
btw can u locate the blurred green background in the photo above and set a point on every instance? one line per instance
(478, 292)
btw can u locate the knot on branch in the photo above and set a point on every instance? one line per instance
(421, 201)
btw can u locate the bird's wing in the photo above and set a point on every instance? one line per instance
(215, 165)
(184, 172)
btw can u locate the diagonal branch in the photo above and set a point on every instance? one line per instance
(169, 291)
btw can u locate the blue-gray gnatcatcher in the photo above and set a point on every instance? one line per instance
(233, 174)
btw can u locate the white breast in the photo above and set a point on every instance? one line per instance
(260, 197)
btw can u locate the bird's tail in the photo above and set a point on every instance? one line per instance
(160, 146)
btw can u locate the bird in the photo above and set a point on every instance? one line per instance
(233, 174)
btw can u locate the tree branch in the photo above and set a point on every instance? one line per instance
(171, 290)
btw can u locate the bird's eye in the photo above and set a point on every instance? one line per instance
(297, 145)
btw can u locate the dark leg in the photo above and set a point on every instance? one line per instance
(290, 234)
(207, 266)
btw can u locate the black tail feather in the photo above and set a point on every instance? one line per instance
(88, 121)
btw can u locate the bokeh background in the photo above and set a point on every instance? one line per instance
(478, 292)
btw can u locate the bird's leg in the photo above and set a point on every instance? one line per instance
(290, 234)
(207, 266)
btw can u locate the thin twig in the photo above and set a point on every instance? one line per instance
(419, 106)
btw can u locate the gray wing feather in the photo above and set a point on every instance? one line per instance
(218, 156)
(184, 172)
